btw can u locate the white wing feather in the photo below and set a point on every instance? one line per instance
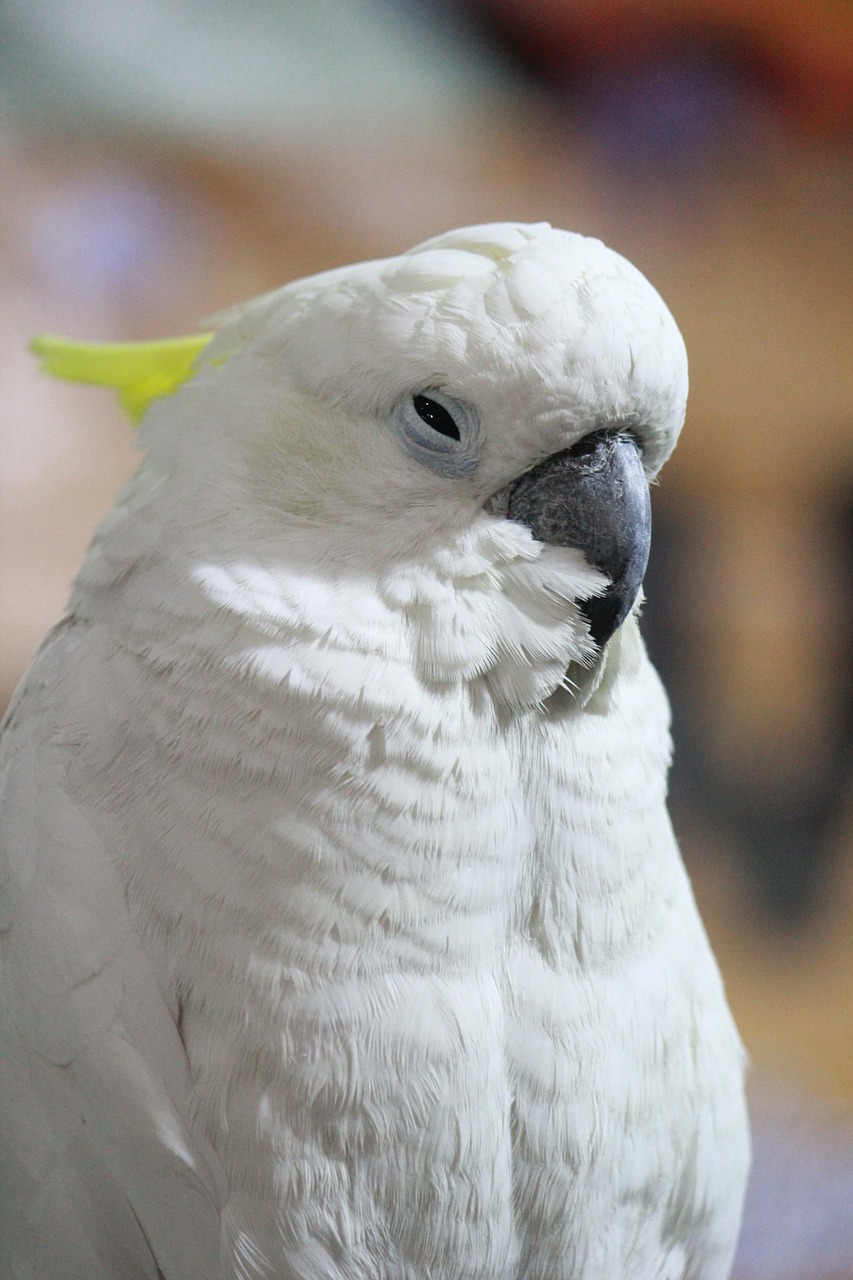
(101, 1175)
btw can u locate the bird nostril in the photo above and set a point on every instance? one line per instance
(587, 445)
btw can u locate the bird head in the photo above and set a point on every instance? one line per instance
(516, 384)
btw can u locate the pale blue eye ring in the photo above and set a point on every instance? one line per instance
(439, 431)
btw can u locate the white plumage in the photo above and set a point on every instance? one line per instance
(345, 936)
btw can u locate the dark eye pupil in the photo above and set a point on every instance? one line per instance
(436, 416)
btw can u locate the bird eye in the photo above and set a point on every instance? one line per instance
(439, 431)
(436, 416)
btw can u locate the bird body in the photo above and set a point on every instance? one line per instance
(346, 936)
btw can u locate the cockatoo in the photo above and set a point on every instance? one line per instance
(345, 936)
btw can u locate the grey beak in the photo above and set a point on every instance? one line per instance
(595, 497)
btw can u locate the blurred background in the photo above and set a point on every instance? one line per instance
(162, 159)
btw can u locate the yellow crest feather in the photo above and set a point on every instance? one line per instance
(139, 371)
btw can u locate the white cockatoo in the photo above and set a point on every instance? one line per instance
(344, 933)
